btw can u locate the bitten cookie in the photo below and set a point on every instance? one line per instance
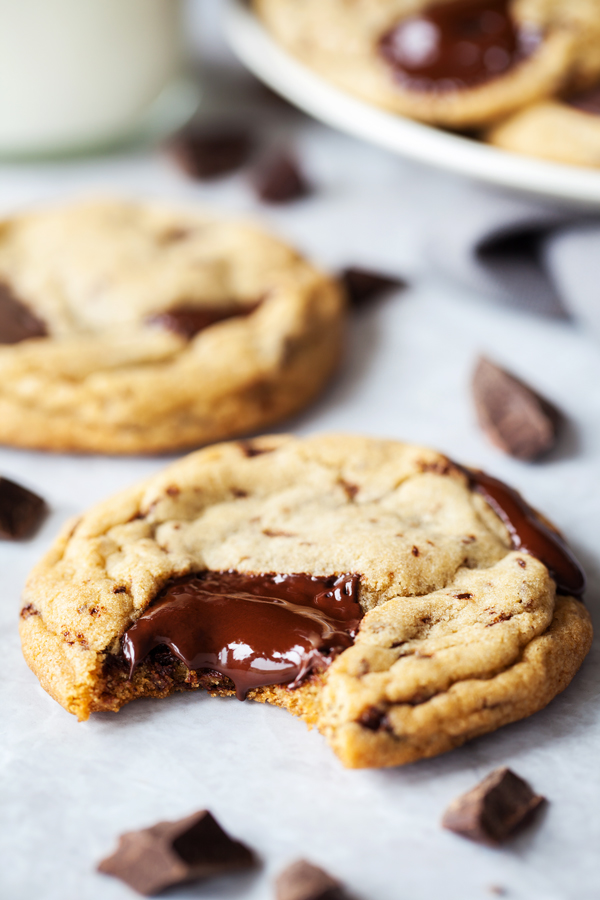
(373, 588)
(566, 131)
(132, 328)
(456, 63)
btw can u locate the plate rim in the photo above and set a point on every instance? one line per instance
(422, 143)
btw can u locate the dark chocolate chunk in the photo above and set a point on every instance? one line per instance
(289, 625)
(374, 719)
(251, 449)
(458, 45)
(513, 416)
(173, 853)
(17, 323)
(210, 151)
(21, 511)
(187, 320)
(587, 101)
(279, 179)
(494, 810)
(364, 284)
(303, 881)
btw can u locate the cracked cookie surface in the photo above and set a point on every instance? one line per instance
(134, 328)
(341, 39)
(460, 634)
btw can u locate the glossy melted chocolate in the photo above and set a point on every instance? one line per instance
(588, 101)
(187, 321)
(256, 630)
(528, 532)
(452, 46)
(17, 323)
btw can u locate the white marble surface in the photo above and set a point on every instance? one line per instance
(67, 789)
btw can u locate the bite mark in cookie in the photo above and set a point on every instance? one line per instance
(255, 630)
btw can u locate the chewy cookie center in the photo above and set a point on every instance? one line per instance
(458, 45)
(256, 630)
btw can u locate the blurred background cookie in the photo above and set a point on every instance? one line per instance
(566, 131)
(457, 63)
(131, 328)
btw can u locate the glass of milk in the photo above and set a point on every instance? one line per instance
(83, 74)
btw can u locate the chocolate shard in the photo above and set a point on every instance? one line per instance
(279, 179)
(494, 810)
(17, 323)
(303, 881)
(363, 285)
(21, 511)
(211, 151)
(513, 416)
(187, 320)
(173, 853)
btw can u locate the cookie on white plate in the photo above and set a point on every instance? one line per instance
(455, 63)
(398, 602)
(561, 130)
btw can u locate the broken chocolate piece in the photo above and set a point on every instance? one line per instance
(303, 881)
(255, 630)
(364, 284)
(210, 151)
(494, 810)
(279, 179)
(187, 321)
(21, 511)
(17, 323)
(173, 853)
(513, 416)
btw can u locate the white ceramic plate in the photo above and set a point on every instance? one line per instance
(316, 96)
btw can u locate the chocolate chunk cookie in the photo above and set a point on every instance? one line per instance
(400, 603)
(457, 63)
(563, 130)
(132, 328)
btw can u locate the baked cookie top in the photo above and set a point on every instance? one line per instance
(563, 130)
(459, 63)
(132, 327)
(459, 633)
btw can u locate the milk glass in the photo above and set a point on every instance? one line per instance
(77, 74)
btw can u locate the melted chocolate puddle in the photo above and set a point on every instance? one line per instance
(17, 323)
(528, 532)
(457, 45)
(256, 630)
(187, 321)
